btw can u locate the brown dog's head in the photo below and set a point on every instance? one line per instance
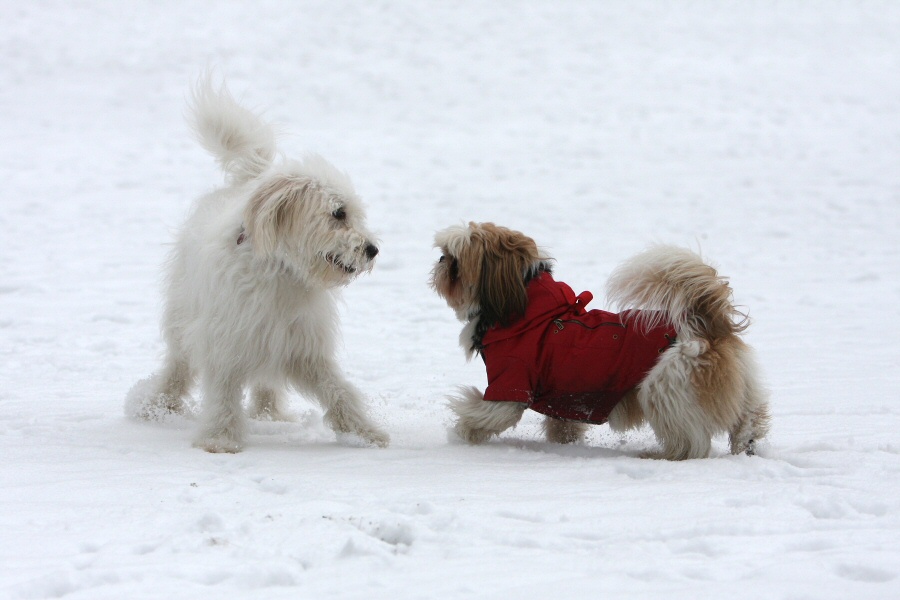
(483, 271)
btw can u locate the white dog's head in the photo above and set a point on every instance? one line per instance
(301, 215)
(483, 271)
(306, 216)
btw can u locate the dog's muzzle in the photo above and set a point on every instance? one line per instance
(370, 251)
(334, 261)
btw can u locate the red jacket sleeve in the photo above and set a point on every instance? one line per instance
(509, 380)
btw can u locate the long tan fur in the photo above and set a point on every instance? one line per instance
(707, 383)
(506, 255)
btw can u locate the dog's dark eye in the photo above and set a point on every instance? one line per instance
(340, 214)
(442, 258)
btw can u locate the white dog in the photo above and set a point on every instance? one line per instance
(250, 287)
(673, 358)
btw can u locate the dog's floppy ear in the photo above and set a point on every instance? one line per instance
(270, 210)
(506, 256)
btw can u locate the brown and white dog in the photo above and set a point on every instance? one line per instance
(673, 358)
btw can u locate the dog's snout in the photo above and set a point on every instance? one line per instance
(371, 251)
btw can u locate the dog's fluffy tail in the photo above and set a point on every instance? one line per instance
(674, 284)
(242, 143)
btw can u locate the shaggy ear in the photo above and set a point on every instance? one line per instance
(268, 212)
(503, 295)
(502, 291)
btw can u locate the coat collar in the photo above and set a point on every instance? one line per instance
(548, 299)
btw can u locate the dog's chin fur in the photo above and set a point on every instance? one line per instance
(249, 298)
(706, 384)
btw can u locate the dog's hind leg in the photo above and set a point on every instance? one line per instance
(176, 382)
(559, 431)
(753, 426)
(343, 404)
(753, 423)
(269, 404)
(627, 414)
(223, 420)
(670, 405)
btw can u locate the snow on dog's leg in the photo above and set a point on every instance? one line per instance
(269, 404)
(343, 404)
(162, 393)
(223, 416)
(479, 420)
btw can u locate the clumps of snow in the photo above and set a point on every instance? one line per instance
(143, 402)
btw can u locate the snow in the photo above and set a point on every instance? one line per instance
(766, 134)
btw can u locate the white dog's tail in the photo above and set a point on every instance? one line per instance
(242, 143)
(674, 284)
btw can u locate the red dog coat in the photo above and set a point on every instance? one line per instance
(567, 362)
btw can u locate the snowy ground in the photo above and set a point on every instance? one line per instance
(766, 134)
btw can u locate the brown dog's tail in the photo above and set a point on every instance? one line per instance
(673, 284)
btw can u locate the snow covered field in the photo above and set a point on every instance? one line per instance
(767, 134)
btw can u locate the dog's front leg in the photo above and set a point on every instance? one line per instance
(559, 431)
(479, 419)
(343, 404)
(223, 420)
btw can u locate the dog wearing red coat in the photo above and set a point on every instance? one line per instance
(672, 358)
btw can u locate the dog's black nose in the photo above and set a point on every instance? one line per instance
(371, 251)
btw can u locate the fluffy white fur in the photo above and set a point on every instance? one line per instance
(250, 285)
(479, 420)
(705, 384)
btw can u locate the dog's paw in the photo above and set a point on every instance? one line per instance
(472, 435)
(346, 422)
(160, 409)
(363, 439)
(748, 448)
(145, 402)
(269, 414)
(375, 437)
(675, 454)
(219, 444)
(652, 455)
(353, 422)
(558, 431)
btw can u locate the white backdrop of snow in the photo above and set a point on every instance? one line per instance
(767, 134)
